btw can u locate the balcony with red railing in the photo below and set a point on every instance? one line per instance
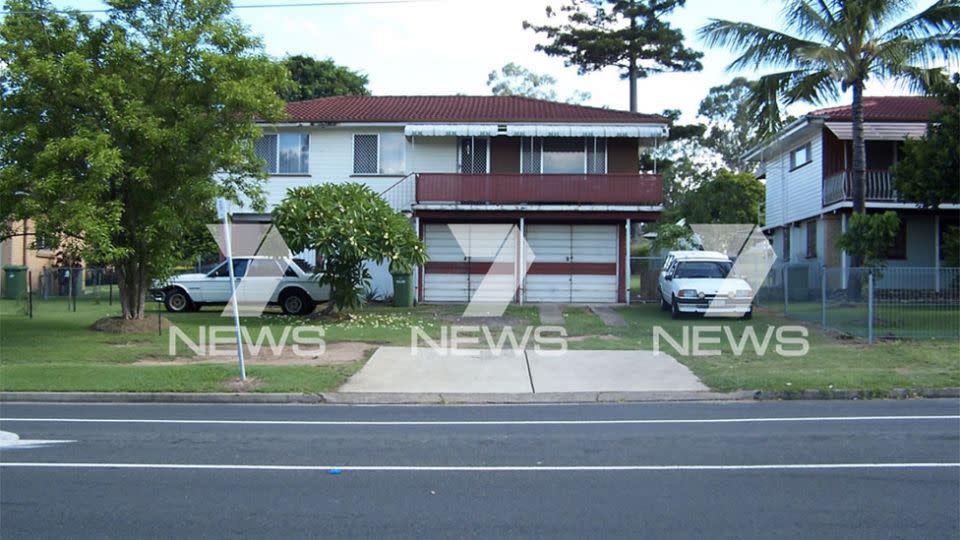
(518, 188)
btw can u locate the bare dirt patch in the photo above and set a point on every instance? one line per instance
(342, 352)
(119, 325)
(492, 322)
(236, 385)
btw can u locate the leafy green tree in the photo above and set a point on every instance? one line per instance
(120, 131)
(321, 78)
(631, 35)
(725, 197)
(672, 236)
(515, 80)
(870, 236)
(347, 224)
(835, 46)
(929, 168)
(736, 122)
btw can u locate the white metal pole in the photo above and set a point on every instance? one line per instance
(628, 277)
(416, 269)
(870, 307)
(936, 252)
(523, 263)
(233, 293)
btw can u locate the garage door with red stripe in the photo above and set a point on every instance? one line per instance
(573, 263)
(457, 270)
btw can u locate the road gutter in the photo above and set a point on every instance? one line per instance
(374, 398)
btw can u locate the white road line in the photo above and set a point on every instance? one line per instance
(492, 468)
(483, 422)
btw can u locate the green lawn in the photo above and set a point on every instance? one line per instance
(57, 351)
(891, 320)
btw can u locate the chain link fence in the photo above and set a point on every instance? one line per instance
(886, 303)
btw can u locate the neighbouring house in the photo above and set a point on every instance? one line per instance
(807, 169)
(23, 248)
(565, 176)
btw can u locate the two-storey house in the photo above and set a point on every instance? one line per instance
(566, 177)
(807, 168)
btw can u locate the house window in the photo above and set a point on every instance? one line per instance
(563, 155)
(284, 153)
(474, 155)
(812, 239)
(898, 250)
(44, 242)
(379, 153)
(800, 157)
(786, 243)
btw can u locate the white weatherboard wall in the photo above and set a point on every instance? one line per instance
(331, 160)
(798, 194)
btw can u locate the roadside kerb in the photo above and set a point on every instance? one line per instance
(376, 398)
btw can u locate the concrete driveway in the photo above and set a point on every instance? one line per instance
(399, 369)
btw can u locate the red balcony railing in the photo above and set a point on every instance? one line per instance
(516, 188)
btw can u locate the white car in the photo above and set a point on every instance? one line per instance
(700, 282)
(297, 293)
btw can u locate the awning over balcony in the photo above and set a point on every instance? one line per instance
(879, 131)
(587, 130)
(538, 130)
(447, 130)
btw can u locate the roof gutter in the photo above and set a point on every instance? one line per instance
(756, 152)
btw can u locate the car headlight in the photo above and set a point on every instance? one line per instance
(687, 293)
(744, 293)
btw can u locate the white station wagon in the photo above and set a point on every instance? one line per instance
(297, 293)
(700, 282)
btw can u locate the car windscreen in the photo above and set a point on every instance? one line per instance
(703, 269)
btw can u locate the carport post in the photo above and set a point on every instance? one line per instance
(523, 263)
(627, 277)
(823, 296)
(225, 215)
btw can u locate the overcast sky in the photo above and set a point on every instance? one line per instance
(449, 46)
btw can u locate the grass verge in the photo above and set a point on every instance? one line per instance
(56, 351)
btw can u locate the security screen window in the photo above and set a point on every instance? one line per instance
(381, 153)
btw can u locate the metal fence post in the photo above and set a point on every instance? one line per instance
(823, 296)
(786, 288)
(870, 307)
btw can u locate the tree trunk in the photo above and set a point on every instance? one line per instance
(858, 182)
(632, 69)
(132, 285)
(859, 150)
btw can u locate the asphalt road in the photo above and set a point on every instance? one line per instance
(785, 469)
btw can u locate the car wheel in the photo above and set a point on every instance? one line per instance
(748, 315)
(674, 310)
(296, 302)
(177, 301)
(664, 306)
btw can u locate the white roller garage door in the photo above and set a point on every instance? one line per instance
(573, 263)
(455, 270)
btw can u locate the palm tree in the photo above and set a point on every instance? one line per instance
(837, 45)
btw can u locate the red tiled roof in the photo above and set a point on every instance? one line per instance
(454, 109)
(887, 109)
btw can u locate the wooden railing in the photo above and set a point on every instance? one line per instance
(878, 187)
(515, 188)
